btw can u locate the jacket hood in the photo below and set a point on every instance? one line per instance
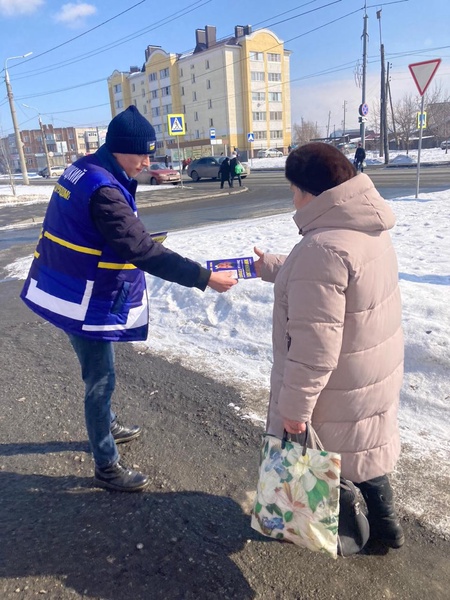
(355, 204)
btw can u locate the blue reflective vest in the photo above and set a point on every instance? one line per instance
(76, 281)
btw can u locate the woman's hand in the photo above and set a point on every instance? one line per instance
(258, 263)
(294, 426)
(221, 281)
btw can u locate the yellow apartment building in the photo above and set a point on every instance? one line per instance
(233, 93)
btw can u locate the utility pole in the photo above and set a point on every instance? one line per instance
(388, 86)
(23, 164)
(343, 128)
(328, 125)
(44, 140)
(384, 141)
(362, 128)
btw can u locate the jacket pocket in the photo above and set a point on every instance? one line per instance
(287, 336)
(121, 298)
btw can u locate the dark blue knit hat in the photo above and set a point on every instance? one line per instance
(130, 133)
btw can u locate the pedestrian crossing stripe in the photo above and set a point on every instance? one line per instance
(176, 125)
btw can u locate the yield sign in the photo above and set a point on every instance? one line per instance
(423, 73)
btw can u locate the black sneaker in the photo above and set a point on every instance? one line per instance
(122, 434)
(120, 478)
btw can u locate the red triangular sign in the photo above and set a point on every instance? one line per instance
(423, 73)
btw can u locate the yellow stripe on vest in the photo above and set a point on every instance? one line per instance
(118, 266)
(75, 247)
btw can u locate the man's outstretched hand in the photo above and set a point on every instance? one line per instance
(222, 281)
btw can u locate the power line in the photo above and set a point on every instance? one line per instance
(80, 35)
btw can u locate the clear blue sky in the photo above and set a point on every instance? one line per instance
(65, 78)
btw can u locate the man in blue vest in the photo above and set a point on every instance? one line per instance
(87, 277)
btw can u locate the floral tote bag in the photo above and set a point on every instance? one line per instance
(297, 497)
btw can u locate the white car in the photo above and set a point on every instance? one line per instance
(269, 153)
(445, 145)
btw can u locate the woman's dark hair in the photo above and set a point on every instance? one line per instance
(316, 167)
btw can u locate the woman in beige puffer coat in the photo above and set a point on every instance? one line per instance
(337, 335)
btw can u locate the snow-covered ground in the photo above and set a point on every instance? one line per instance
(228, 336)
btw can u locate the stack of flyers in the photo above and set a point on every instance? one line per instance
(159, 237)
(242, 268)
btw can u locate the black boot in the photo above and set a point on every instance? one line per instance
(384, 523)
(122, 434)
(121, 479)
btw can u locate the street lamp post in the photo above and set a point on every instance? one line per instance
(23, 166)
(44, 140)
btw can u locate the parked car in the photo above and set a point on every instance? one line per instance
(208, 167)
(55, 171)
(269, 153)
(445, 144)
(157, 174)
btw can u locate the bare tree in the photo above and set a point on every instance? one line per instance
(438, 113)
(374, 116)
(305, 132)
(405, 117)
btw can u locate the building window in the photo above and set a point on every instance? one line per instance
(195, 116)
(135, 102)
(153, 77)
(274, 96)
(274, 76)
(154, 94)
(256, 56)
(181, 72)
(273, 57)
(156, 111)
(193, 78)
(211, 122)
(209, 103)
(259, 96)
(276, 115)
(182, 90)
(133, 87)
(206, 64)
(118, 103)
(276, 134)
(167, 109)
(118, 88)
(165, 91)
(258, 76)
(192, 66)
(143, 92)
(164, 73)
(194, 96)
(197, 134)
(145, 109)
(208, 84)
(260, 135)
(157, 128)
(259, 116)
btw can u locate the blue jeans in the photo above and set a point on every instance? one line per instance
(97, 370)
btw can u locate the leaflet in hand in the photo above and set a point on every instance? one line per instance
(243, 268)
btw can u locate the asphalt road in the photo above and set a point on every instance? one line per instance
(202, 203)
(188, 536)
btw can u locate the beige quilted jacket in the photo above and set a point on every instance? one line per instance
(337, 335)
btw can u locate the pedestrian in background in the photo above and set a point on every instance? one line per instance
(360, 157)
(166, 161)
(236, 169)
(224, 172)
(87, 277)
(337, 332)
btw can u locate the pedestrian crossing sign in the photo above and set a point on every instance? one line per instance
(250, 137)
(176, 125)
